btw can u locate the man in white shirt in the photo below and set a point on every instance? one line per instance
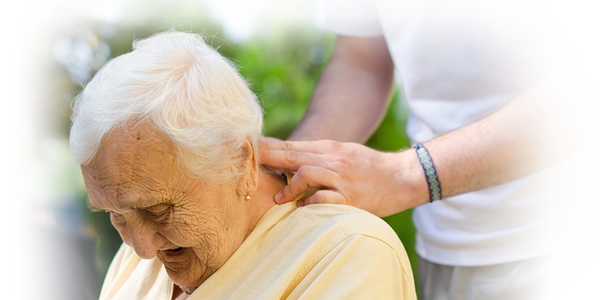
(501, 101)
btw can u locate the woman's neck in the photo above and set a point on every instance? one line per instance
(269, 184)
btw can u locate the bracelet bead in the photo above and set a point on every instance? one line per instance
(435, 189)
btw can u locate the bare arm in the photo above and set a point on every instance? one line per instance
(518, 139)
(352, 94)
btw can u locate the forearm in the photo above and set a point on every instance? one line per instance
(543, 126)
(352, 94)
(520, 138)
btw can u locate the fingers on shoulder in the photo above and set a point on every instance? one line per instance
(309, 176)
(324, 196)
(327, 196)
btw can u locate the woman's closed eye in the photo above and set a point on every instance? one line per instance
(159, 212)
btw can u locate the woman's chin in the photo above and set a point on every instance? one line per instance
(183, 268)
(187, 278)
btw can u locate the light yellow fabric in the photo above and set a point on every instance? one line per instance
(315, 252)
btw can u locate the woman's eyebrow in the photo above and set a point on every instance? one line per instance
(142, 204)
(127, 204)
(91, 207)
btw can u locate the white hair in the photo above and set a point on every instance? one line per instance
(182, 86)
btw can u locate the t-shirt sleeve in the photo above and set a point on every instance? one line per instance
(359, 267)
(352, 18)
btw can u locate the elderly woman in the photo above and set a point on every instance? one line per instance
(166, 137)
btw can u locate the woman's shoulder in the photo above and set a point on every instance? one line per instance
(340, 239)
(348, 217)
(337, 222)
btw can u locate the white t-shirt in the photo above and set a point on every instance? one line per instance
(457, 62)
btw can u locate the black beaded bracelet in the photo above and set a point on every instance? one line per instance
(435, 189)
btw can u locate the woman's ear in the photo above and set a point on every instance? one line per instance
(248, 182)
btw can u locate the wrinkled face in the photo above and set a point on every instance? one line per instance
(159, 209)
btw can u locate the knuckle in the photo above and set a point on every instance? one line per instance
(286, 145)
(339, 161)
(291, 156)
(263, 153)
(302, 172)
(332, 145)
(305, 176)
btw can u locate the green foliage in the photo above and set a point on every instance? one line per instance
(282, 70)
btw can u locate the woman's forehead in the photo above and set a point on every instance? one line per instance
(132, 164)
(134, 142)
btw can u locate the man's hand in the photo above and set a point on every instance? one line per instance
(518, 139)
(348, 173)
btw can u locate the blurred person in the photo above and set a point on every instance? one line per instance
(494, 198)
(167, 139)
(44, 263)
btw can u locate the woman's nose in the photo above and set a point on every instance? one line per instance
(145, 239)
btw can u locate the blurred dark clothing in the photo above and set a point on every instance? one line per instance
(46, 263)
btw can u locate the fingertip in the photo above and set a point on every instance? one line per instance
(278, 197)
(300, 203)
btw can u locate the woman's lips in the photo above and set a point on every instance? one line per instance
(174, 255)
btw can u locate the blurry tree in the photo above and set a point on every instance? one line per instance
(282, 70)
